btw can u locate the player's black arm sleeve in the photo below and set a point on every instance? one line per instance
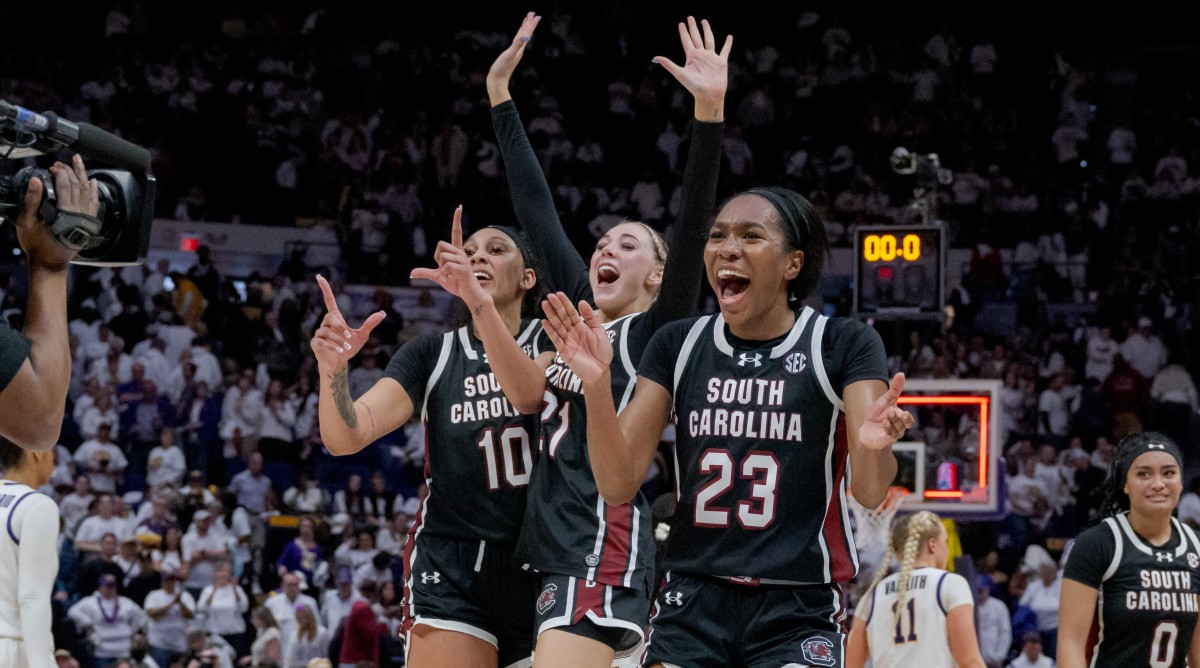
(14, 350)
(534, 205)
(684, 269)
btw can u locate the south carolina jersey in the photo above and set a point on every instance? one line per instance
(478, 448)
(919, 637)
(1147, 608)
(569, 529)
(761, 474)
(28, 566)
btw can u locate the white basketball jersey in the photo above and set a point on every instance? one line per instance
(27, 516)
(919, 638)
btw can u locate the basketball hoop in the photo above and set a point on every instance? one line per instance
(873, 527)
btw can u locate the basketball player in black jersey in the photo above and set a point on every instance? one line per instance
(1129, 591)
(467, 601)
(596, 560)
(760, 539)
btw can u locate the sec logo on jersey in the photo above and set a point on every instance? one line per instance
(795, 363)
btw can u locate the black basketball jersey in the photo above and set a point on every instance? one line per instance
(761, 472)
(478, 448)
(569, 529)
(1148, 607)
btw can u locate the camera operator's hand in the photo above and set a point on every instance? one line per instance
(76, 194)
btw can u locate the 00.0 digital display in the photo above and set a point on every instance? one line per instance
(885, 248)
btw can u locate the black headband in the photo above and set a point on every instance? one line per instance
(1157, 445)
(518, 239)
(788, 210)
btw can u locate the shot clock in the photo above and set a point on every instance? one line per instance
(899, 270)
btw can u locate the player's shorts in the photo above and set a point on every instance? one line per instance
(699, 622)
(615, 616)
(472, 587)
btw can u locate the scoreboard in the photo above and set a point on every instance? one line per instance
(899, 270)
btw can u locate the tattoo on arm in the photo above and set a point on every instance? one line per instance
(341, 396)
(478, 310)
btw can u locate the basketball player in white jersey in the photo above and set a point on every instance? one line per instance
(28, 557)
(921, 616)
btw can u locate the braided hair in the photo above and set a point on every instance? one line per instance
(909, 533)
(1116, 501)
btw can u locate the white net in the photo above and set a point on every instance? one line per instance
(872, 528)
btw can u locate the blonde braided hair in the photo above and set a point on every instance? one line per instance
(909, 533)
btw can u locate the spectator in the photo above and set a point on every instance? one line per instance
(307, 641)
(102, 460)
(276, 424)
(1101, 349)
(1055, 409)
(1041, 595)
(377, 570)
(109, 621)
(282, 604)
(1143, 349)
(170, 556)
(995, 628)
(94, 527)
(129, 560)
(169, 610)
(166, 464)
(232, 522)
(251, 486)
(74, 506)
(393, 538)
(1031, 654)
(303, 553)
(160, 518)
(267, 649)
(306, 496)
(203, 549)
(362, 631)
(336, 603)
(223, 605)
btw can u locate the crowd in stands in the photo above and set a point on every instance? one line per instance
(202, 516)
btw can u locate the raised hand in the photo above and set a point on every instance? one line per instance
(579, 337)
(506, 63)
(705, 72)
(886, 422)
(335, 342)
(454, 272)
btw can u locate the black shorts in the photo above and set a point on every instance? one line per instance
(699, 622)
(471, 587)
(615, 616)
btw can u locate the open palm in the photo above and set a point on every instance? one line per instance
(581, 340)
(705, 71)
(506, 63)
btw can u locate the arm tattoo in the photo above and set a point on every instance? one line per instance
(341, 396)
(478, 309)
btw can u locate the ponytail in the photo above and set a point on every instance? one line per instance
(908, 535)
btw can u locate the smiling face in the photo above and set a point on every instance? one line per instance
(499, 267)
(626, 270)
(749, 262)
(1153, 483)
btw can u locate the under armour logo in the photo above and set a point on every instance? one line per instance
(746, 358)
(436, 578)
(1155, 446)
(673, 598)
(1164, 556)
